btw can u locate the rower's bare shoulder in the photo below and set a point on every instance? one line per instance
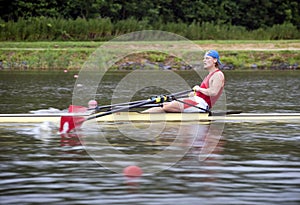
(218, 75)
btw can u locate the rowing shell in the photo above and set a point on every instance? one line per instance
(153, 117)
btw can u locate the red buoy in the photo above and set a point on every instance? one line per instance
(132, 171)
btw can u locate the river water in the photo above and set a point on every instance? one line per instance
(231, 163)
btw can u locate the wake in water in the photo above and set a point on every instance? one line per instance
(44, 131)
(49, 110)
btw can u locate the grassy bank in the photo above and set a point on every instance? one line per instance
(283, 54)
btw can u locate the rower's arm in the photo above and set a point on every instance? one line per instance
(216, 83)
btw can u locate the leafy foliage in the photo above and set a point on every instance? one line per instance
(251, 14)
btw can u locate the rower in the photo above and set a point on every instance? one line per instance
(92, 104)
(205, 95)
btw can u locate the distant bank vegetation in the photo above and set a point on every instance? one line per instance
(101, 20)
(103, 29)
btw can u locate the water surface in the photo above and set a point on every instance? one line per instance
(251, 163)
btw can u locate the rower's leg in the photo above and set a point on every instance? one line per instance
(173, 106)
(154, 110)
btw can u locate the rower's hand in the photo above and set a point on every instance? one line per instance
(191, 94)
(196, 88)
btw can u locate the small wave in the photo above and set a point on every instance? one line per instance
(49, 110)
(42, 131)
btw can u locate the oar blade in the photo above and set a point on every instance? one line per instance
(77, 109)
(69, 123)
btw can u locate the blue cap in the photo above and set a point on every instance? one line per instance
(214, 54)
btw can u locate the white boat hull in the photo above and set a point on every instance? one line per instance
(153, 117)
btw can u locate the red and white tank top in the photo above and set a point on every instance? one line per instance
(211, 100)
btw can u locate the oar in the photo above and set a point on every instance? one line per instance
(142, 103)
(68, 123)
(77, 109)
(72, 121)
(98, 108)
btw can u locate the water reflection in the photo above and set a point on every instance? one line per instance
(70, 139)
(194, 149)
(116, 146)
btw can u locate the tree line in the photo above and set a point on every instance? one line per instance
(251, 14)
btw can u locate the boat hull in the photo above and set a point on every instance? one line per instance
(153, 117)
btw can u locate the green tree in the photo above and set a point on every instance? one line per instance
(77, 8)
(35, 8)
(7, 9)
(251, 14)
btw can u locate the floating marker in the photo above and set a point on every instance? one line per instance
(132, 171)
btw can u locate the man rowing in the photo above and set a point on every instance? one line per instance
(92, 104)
(205, 95)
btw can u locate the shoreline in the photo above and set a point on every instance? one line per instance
(235, 55)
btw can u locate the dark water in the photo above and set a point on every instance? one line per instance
(232, 163)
